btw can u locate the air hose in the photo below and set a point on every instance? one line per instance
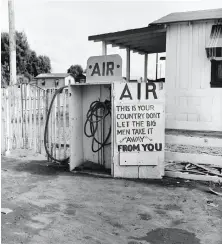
(97, 113)
(62, 161)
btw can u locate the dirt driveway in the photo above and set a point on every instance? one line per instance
(51, 205)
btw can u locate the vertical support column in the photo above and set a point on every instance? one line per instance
(104, 48)
(145, 66)
(156, 66)
(101, 154)
(128, 64)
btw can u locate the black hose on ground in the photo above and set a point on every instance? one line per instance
(61, 161)
(93, 118)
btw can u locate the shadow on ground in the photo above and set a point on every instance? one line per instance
(42, 168)
(45, 168)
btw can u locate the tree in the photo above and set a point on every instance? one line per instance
(27, 61)
(44, 64)
(75, 70)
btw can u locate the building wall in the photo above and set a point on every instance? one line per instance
(69, 81)
(190, 101)
(50, 83)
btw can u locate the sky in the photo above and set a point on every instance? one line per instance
(60, 29)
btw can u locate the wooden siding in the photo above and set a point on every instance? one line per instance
(190, 101)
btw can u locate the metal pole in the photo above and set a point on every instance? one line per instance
(12, 42)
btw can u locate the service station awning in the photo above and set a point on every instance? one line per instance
(151, 39)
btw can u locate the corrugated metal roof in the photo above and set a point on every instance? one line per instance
(52, 75)
(190, 16)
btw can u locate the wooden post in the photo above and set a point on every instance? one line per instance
(104, 52)
(156, 65)
(12, 42)
(104, 48)
(128, 64)
(145, 66)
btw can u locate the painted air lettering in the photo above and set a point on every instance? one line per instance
(149, 88)
(106, 69)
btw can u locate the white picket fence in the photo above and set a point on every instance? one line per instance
(24, 111)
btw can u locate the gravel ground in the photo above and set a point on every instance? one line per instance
(52, 205)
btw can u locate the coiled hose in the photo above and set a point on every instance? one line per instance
(61, 161)
(98, 111)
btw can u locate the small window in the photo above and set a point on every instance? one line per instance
(56, 83)
(216, 73)
(43, 82)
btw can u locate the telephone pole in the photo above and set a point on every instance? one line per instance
(12, 42)
(12, 67)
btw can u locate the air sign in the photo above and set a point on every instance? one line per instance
(140, 120)
(106, 68)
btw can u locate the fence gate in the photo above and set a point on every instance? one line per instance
(24, 112)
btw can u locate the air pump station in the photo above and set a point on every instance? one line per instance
(115, 123)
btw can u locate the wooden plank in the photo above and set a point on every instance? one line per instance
(178, 49)
(25, 115)
(51, 124)
(30, 117)
(16, 119)
(188, 176)
(35, 125)
(183, 58)
(59, 132)
(194, 158)
(3, 118)
(39, 120)
(9, 121)
(64, 122)
(194, 141)
(46, 114)
(54, 125)
(43, 116)
(19, 119)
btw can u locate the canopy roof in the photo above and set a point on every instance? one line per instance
(151, 39)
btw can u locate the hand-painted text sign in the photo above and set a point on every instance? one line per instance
(140, 119)
(104, 68)
(139, 127)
